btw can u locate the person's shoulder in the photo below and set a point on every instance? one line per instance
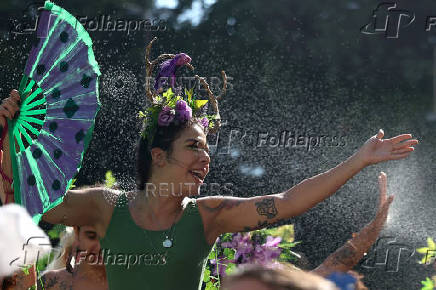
(104, 196)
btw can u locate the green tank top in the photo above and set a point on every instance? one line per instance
(134, 262)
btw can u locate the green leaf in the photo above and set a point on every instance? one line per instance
(210, 286)
(45, 260)
(429, 252)
(229, 253)
(212, 253)
(26, 270)
(141, 114)
(109, 179)
(230, 268)
(189, 93)
(168, 94)
(199, 103)
(431, 244)
(72, 184)
(55, 232)
(427, 284)
(206, 277)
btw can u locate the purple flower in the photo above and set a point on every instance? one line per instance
(272, 241)
(181, 105)
(165, 116)
(168, 69)
(184, 112)
(204, 122)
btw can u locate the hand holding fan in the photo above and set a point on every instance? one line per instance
(59, 95)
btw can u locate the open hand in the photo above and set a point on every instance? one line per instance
(377, 149)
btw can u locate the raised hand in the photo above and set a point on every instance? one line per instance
(377, 149)
(347, 256)
(383, 203)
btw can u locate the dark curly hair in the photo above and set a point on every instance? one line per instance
(163, 139)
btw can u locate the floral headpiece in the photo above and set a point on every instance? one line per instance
(170, 107)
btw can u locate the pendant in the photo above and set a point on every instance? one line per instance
(167, 243)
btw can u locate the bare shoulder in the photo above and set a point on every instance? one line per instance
(106, 199)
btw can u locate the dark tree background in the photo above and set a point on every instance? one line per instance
(300, 66)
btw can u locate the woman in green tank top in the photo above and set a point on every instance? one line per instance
(161, 238)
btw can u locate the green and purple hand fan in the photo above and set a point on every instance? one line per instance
(59, 94)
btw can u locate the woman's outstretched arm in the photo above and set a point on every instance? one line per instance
(231, 214)
(347, 256)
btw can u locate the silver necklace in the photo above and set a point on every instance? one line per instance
(167, 242)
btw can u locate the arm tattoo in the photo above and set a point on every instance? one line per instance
(65, 286)
(227, 204)
(267, 207)
(345, 256)
(260, 225)
(49, 282)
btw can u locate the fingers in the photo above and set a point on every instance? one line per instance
(407, 143)
(380, 134)
(15, 95)
(398, 156)
(6, 111)
(382, 185)
(385, 200)
(382, 213)
(400, 138)
(12, 104)
(403, 150)
(385, 206)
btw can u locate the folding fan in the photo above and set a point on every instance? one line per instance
(59, 95)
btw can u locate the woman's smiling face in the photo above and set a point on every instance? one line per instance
(188, 163)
